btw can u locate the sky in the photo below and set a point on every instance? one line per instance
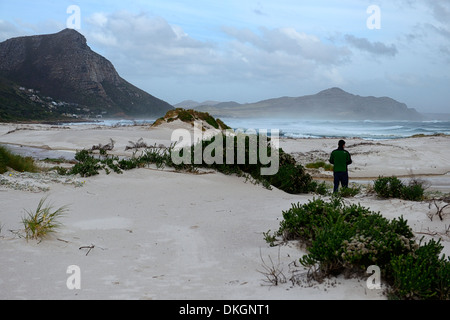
(251, 50)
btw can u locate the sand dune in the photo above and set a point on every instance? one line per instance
(159, 234)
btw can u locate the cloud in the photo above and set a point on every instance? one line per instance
(291, 43)
(136, 31)
(148, 44)
(376, 48)
(433, 32)
(19, 28)
(440, 10)
(141, 44)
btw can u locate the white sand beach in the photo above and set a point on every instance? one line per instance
(161, 234)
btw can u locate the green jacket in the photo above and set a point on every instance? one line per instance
(340, 158)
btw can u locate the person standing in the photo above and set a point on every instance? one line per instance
(340, 158)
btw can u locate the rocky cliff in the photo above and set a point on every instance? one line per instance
(64, 67)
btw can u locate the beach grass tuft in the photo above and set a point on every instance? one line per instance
(42, 221)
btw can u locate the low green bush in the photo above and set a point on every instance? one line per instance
(320, 164)
(291, 177)
(320, 188)
(347, 192)
(393, 187)
(414, 191)
(388, 187)
(423, 274)
(87, 164)
(342, 238)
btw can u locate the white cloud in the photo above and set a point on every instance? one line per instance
(147, 42)
(143, 44)
(291, 43)
(98, 19)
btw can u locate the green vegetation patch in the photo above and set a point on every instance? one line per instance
(15, 162)
(393, 187)
(345, 238)
(291, 177)
(189, 116)
(320, 164)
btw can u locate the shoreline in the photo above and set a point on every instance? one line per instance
(421, 156)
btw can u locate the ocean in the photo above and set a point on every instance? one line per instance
(364, 129)
(368, 129)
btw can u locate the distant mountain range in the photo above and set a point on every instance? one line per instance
(63, 68)
(49, 76)
(333, 103)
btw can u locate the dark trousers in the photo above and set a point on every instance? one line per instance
(340, 177)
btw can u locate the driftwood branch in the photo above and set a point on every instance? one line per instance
(106, 147)
(439, 209)
(136, 145)
(87, 247)
(445, 233)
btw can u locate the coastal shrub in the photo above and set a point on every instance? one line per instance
(422, 275)
(185, 115)
(291, 177)
(346, 192)
(189, 116)
(344, 236)
(15, 162)
(350, 238)
(320, 164)
(376, 240)
(42, 221)
(393, 187)
(320, 188)
(388, 187)
(414, 191)
(87, 164)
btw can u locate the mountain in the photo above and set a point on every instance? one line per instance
(62, 66)
(333, 103)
